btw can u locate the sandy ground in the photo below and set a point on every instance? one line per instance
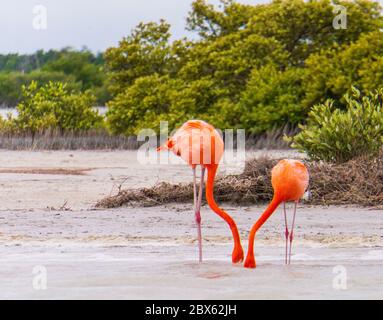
(150, 253)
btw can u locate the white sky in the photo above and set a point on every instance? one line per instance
(97, 24)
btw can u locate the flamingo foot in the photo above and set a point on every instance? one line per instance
(237, 255)
(250, 262)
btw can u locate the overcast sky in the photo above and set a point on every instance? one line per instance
(97, 24)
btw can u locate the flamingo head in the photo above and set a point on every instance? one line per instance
(169, 145)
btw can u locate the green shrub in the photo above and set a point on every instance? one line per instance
(336, 135)
(55, 106)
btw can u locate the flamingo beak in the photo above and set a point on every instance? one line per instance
(162, 148)
(167, 146)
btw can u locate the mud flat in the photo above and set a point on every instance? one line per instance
(48, 227)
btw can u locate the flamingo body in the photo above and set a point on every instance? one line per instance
(290, 179)
(199, 143)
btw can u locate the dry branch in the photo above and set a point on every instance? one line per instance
(358, 181)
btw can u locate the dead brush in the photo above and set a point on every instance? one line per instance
(359, 182)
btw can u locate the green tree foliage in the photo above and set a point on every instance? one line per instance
(336, 135)
(331, 73)
(209, 22)
(145, 52)
(144, 100)
(11, 83)
(28, 62)
(305, 27)
(254, 67)
(272, 99)
(55, 106)
(79, 64)
(80, 69)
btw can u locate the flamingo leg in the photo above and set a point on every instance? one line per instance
(198, 221)
(197, 207)
(292, 230)
(286, 232)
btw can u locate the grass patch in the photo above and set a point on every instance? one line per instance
(101, 139)
(359, 181)
(69, 140)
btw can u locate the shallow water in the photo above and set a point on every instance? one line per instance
(128, 273)
(151, 253)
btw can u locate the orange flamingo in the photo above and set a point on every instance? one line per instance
(289, 179)
(198, 143)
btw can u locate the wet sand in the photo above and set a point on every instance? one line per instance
(151, 253)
